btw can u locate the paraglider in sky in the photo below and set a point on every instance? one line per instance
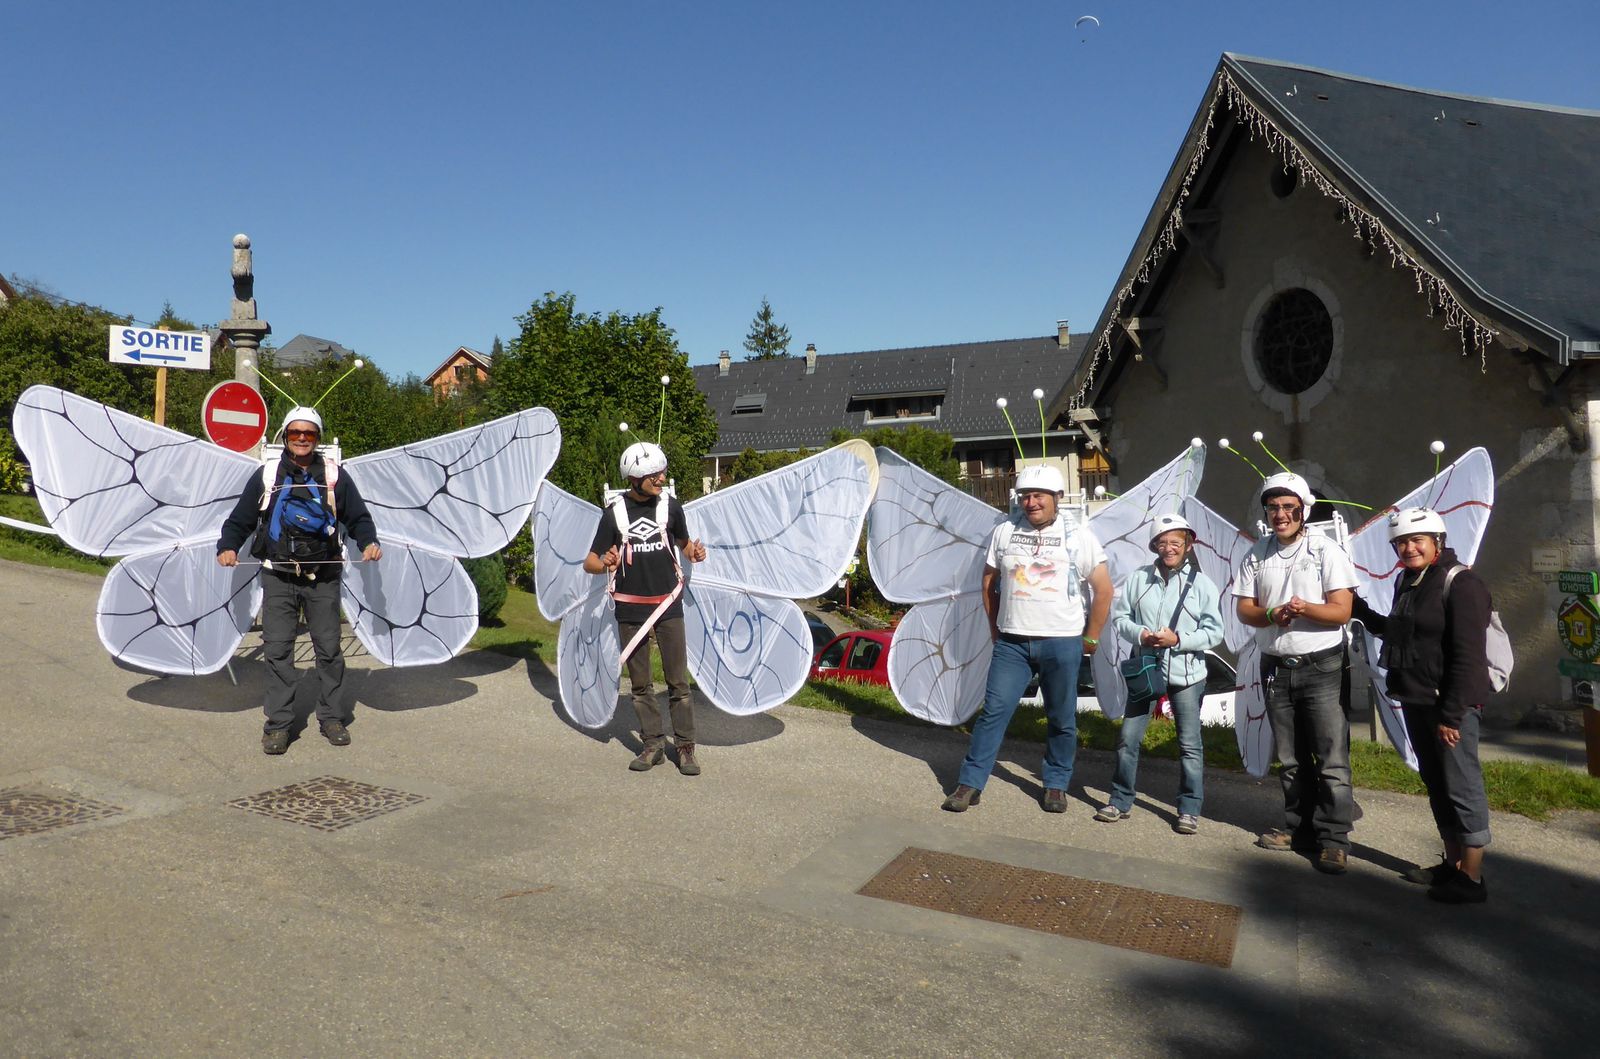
(1084, 23)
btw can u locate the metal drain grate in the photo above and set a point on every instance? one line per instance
(327, 803)
(32, 812)
(1087, 909)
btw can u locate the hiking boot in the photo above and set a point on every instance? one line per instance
(687, 764)
(336, 733)
(1187, 824)
(1458, 888)
(961, 798)
(653, 754)
(1276, 839)
(1430, 876)
(1109, 814)
(1054, 801)
(1331, 861)
(275, 742)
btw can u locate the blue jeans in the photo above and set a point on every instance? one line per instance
(1014, 661)
(1312, 738)
(1185, 704)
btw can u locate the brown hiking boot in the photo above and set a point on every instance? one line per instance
(653, 754)
(688, 765)
(1331, 862)
(961, 798)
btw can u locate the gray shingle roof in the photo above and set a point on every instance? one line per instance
(1502, 194)
(302, 350)
(802, 410)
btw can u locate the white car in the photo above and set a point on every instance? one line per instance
(1216, 706)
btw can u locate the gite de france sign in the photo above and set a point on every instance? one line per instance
(160, 349)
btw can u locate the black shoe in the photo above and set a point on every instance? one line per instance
(653, 754)
(1054, 801)
(275, 742)
(961, 798)
(1459, 889)
(336, 733)
(1430, 876)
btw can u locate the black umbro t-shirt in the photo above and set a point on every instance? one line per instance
(651, 572)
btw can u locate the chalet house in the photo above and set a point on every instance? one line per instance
(459, 368)
(1357, 268)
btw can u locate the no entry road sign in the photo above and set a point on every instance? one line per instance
(234, 416)
(160, 349)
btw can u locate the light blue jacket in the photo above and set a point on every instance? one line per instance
(1147, 600)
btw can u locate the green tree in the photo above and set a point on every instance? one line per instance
(929, 449)
(767, 339)
(752, 464)
(496, 349)
(594, 371)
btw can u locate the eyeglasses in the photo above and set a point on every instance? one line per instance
(1283, 509)
(300, 435)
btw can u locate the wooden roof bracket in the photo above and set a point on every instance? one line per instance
(1557, 395)
(1202, 243)
(1145, 334)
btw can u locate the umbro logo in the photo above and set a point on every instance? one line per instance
(644, 529)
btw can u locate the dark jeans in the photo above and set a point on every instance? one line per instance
(283, 598)
(668, 636)
(1453, 776)
(1312, 738)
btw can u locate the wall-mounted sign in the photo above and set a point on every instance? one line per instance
(1576, 619)
(1571, 667)
(1579, 582)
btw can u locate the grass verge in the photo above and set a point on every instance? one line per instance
(40, 549)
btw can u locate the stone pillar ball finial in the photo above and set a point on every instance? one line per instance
(241, 242)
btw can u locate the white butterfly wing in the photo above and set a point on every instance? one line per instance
(939, 659)
(175, 610)
(1221, 548)
(748, 653)
(563, 532)
(1123, 526)
(1250, 725)
(114, 484)
(414, 607)
(1110, 690)
(790, 532)
(589, 661)
(926, 539)
(464, 494)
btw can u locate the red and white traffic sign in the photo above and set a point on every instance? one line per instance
(235, 416)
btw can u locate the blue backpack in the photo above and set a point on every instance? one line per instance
(300, 527)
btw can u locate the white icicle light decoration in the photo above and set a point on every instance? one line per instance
(1367, 228)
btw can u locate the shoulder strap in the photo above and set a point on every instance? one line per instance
(1450, 575)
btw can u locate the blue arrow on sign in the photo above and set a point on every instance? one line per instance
(136, 355)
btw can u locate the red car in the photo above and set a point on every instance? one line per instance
(860, 656)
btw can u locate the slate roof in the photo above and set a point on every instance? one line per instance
(302, 350)
(1502, 194)
(803, 410)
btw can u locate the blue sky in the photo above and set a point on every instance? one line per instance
(888, 174)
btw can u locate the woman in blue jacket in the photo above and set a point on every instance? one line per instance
(1169, 609)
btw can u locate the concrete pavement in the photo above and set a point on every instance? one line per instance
(540, 899)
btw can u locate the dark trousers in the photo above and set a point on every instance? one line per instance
(1312, 738)
(668, 636)
(283, 600)
(1453, 776)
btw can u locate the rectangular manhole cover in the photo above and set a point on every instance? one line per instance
(327, 803)
(1088, 909)
(30, 812)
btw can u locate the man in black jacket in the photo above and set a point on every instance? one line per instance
(302, 558)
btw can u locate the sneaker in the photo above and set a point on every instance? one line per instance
(1276, 839)
(687, 764)
(1331, 861)
(1187, 824)
(1054, 801)
(336, 733)
(653, 754)
(1109, 814)
(1430, 876)
(1459, 889)
(275, 742)
(961, 798)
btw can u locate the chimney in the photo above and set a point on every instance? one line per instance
(722, 364)
(1063, 334)
(811, 358)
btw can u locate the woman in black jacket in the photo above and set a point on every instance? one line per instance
(1434, 651)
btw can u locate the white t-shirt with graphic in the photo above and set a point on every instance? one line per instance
(1041, 574)
(1311, 567)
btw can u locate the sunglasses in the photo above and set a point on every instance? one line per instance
(1287, 509)
(299, 435)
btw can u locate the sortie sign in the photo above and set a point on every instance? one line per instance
(234, 416)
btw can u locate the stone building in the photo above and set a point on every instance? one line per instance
(1356, 269)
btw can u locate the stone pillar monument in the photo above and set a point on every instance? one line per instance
(243, 329)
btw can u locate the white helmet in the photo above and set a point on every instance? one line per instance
(642, 459)
(1166, 524)
(1291, 482)
(309, 415)
(1040, 478)
(1412, 520)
